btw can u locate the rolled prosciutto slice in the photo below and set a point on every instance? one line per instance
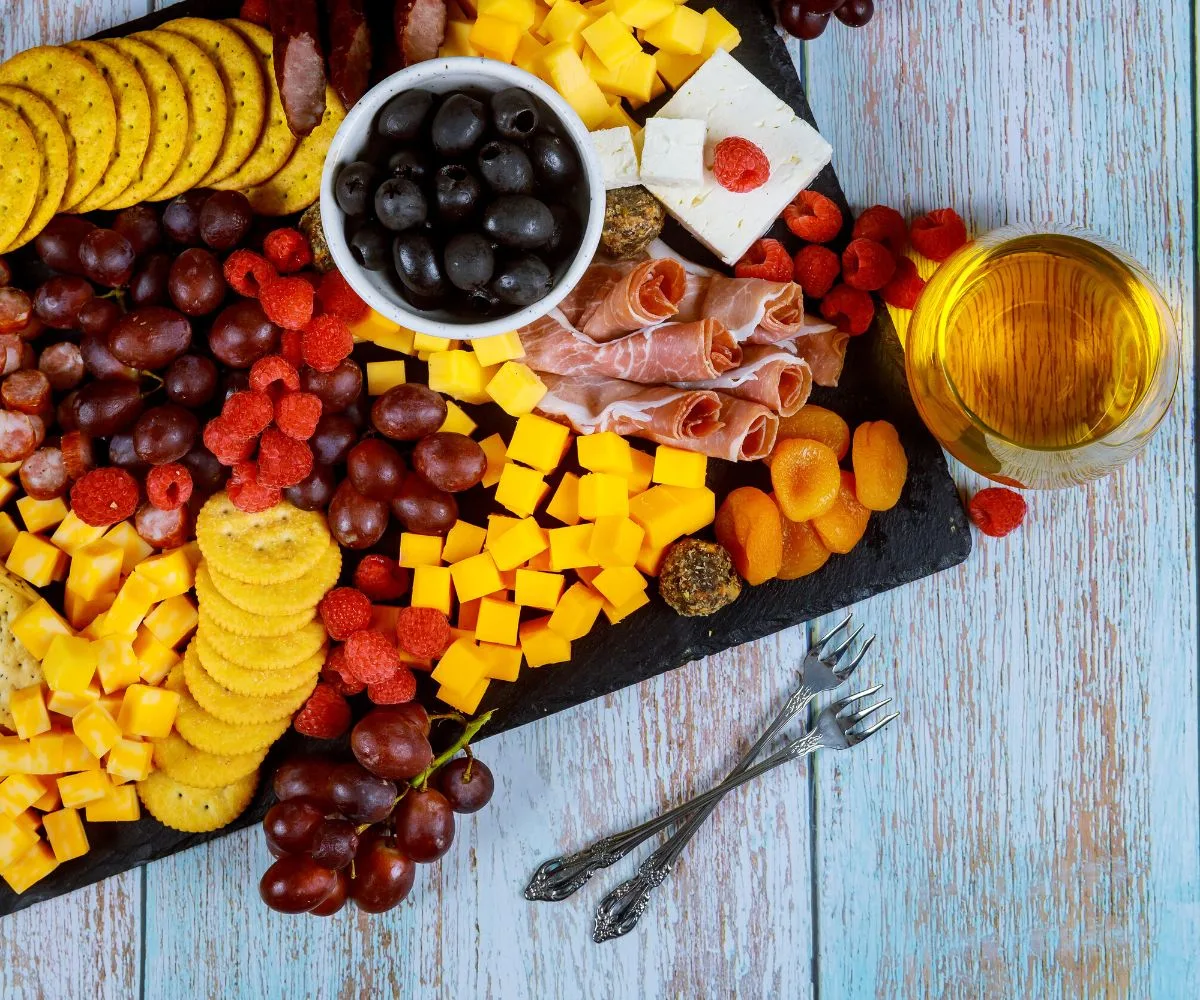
(671, 352)
(747, 432)
(755, 310)
(644, 294)
(769, 375)
(825, 353)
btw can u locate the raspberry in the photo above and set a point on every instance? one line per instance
(169, 486)
(248, 413)
(336, 674)
(245, 491)
(815, 269)
(849, 309)
(997, 511)
(246, 272)
(290, 347)
(867, 265)
(326, 714)
(883, 225)
(227, 447)
(813, 217)
(381, 578)
(297, 413)
(344, 611)
(338, 299)
(938, 234)
(905, 287)
(424, 632)
(282, 461)
(288, 302)
(104, 496)
(765, 259)
(255, 11)
(77, 452)
(287, 249)
(271, 369)
(398, 690)
(326, 343)
(739, 165)
(371, 656)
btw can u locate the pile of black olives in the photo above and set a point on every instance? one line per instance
(466, 198)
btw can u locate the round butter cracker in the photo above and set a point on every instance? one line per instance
(298, 183)
(52, 144)
(182, 762)
(240, 709)
(215, 606)
(20, 173)
(195, 810)
(263, 653)
(206, 732)
(300, 594)
(261, 683)
(268, 548)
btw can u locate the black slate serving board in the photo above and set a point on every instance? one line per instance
(926, 533)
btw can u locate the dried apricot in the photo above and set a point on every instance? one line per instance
(880, 465)
(817, 424)
(748, 526)
(841, 527)
(804, 474)
(803, 550)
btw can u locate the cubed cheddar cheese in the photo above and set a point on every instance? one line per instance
(537, 589)
(116, 662)
(34, 559)
(428, 343)
(681, 31)
(521, 490)
(466, 702)
(69, 703)
(69, 663)
(95, 569)
(498, 524)
(30, 868)
(37, 626)
(70, 754)
(119, 805)
(460, 375)
(618, 117)
(96, 729)
(605, 452)
(20, 791)
(172, 620)
(80, 789)
(538, 442)
(569, 77)
(131, 543)
(676, 69)
(670, 512)
(718, 33)
(49, 800)
(475, 576)
(616, 541)
(8, 533)
(172, 572)
(529, 58)
(462, 541)
(519, 12)
(498, 349)
(619, 584)
(8, 490)
(384, 618)
(642, 13)
(677, 467)
(16, 755)
(497, 621)
(565, 20)
(374, 325)
(520, 543)
(420, 550)
(72, 534)
(516, 388)
(130, 760)
(154, 659)
(148, 711)
(135, 598)
(635, 78)
(493, 451)
(457, 421)
(602, 494)
(503, 662)
(39, 515)
(610, 40)
(650, 558)
(564, 505)
(458, 40)
(570, 547)
(540, 645)
(461, 667)
(431, 588)
(15, 841)
(81, 611)
(576, 612)
(541, 562)
(384, 375)
(468, 615)
(615, 613)
(28, 708)
(64, 830)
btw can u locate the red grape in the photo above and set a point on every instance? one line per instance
(44, 474)
(181, 217)
(296, 884)
(797, 21)
(241, 334)
(424, 824)
(191, 380)
(58, 301)
(165, 434)
(224, 218)
(383, 875)
(449, 461)
(413, 712)
(107, 406)
(140, 226)
(337, 389)
(357, 522)
(100, 361)
(148, 286)
(20, 434)
(292, 824)
(15, 310)
(388, 745)
(334, 842)
(314, 491)
(208, 475)
(58, 243)
(98, 316)
(467, 784)
(424, 509)
(163, 529)
(855, 13)
(64, 412)
(150, 337)
(408, 412)
(195, 282)
(821, 6)
(27, 390)
(121, 453)
(376, 469)
(333, 438)
(336, 899)
(360, 795)
(107, 257)
(307, 777)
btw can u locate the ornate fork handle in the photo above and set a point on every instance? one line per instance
(561, 877)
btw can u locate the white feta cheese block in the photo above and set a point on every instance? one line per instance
(733, 102)
(673, 152)
(618, 159)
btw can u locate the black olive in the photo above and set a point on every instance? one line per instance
(410, 164)
(554, 161)
(399, 204)
(456, 191)
(565, 238)
(402, 117)
(369, 245)
(517, 220)
(353, 187)
(417, 264)
(469, 261)
(514, 113)
(458, 125)
(482, 302)
(522, 280)
(505, 168)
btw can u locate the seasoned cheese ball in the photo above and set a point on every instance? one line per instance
(698, 578)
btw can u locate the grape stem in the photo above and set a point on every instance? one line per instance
(468, 734)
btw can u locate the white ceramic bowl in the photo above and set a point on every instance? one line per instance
(440, 76)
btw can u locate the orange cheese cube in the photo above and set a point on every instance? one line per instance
(605, 452)
(81, 611)
(72, 534)
(619, 584)
(636, 78)
(30, 820)
(650, 558)
(520, 490)
(670, 512)
(468, 614)
(643, 470)
(498, 349)
(569, 547)
(615, 613)
(16, 755)
(538, 442)
(677, 467)
(69, 663)
(615, 541)
(529, 58)
(39, 515)
(15, 841)
(498, 524)
(566, 19)
(372, 325)
(524, 540)
(458, 40)
(64, 830)
(475, 576)
(602, 494)
(172, 620)
(384, 375)
(497, 621)
(68, 703)
(37, 626)
(82, 788)
(681, 31)
(120, 805)
(427, 343)
(538, 590)
(459, 374)
(618, 117)
(431, 588)
(383, 618)
(130, 760)
(463, 702)
(461, 667)
(154, 659)
(564, 505)
(96, 729)
(541, 646)
(8, 533)
(503, 662)
(642, 13)
(171, 572)
(516, 388)
(718, 33)
(92, 630)
(610, 40)
(134, 600)
(457, 421)
(125, 536)
(540, 562)
(20, 791)
(518, 12)
(575, 613)
(28, 708)
(72, 754)
(7, 489)
(116, 662)
(34, 559)
(462, 541)
(95, 569)
(420, 550)
(570, 78)
(493, 451)
(30, 868)
(676, 69)
(148, 711)
(191, 552)
(495, 38)
(49, 800)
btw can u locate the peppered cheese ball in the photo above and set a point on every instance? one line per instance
(633, 218)
(698, 578)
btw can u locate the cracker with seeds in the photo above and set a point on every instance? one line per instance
(52, 145)
(195, 810)
(18, 667)
(20, 173)
(182, 762)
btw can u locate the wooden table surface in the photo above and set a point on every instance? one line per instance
(1031, 830)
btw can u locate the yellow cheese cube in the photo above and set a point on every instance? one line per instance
(31, 868)
(602, 494)
(384, 375)
(69, 663)
(605, 452)
(171, 572)
(670, 512)
(8, 533)
(681, 31)
(516, 388)
(588, 573)
(72, 534)
(116, 662)
(538, 590)
(28, 708)
(459, 374)
(462, 540)
(95, 569)
(569, 547)
(172, 620)
(39, 515)
(616, 541)
(519, 12)
(529, 58)
(538, 442)
(373, 326)
(642, 13)
(154, 659)
(148, 711)
(30, 820)
(611, 40)
(650, 558)
(615, 613)
(64, 830)
(384, 617)
(508, 577)
(564, 505)
(72, 755)
(427, 343)
(15, 841)
(634, 78)
(493, 451)
(467, 702)
(571, 80)
(431, 588)
(618, 117)
(676, 69)
(16, 755)
(718, 33)
(134, 600)
(566, 18)
(677, 467)
(81, 612)
(457, 421)
(521, 490)
(130, 760)
(503, 662)
(7, 489)
(120, 805)
(420, 550)
(541, 646)
(541, 562)
(20, 791)
(461, 667)
(49, 800)
(68, 703)
(468, 614)
(495, 38)
(37, 626)
(619, 584)
(34, 559)
(131, 543)
(497, 621)
(576, 612)
(524, 540)
(458, 40)
(475, 576)
(498, 349)
(643, 468)
(499, 524)
(82, 788)
(96, 729)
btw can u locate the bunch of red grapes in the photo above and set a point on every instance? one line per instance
(356, 830)
(808, 19)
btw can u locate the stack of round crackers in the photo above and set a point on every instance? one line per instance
(254, 660)
(108, 124)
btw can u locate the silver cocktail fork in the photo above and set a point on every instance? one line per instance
(560, 877)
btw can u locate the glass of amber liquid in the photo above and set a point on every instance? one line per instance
(1042, 357)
